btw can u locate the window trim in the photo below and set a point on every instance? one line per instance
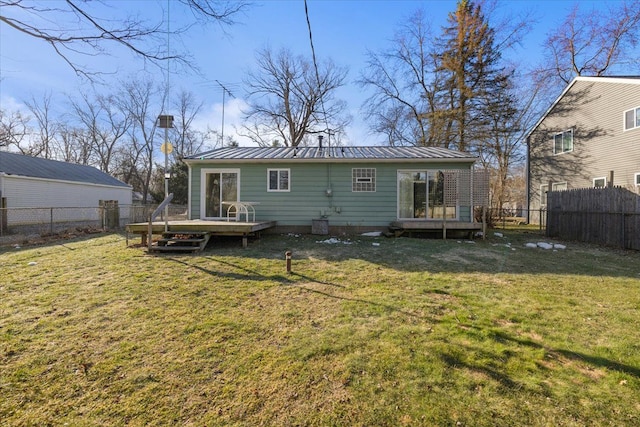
(278, 171)
(603, 178)
(636, 180)
(554, 187)
(557, 184)
(635, 122)
(371, 180)
(543, 195)
(570, 131)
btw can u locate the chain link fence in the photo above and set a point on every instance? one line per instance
(506, 218)
(22, 223)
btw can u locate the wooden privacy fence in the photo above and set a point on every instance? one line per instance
(606, 216)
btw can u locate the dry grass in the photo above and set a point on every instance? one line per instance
(411, 332)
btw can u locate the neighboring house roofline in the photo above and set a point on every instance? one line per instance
(20, 165)
(608, 79)
(33, 178)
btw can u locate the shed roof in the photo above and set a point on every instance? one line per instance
(332, 154)
(35, 167)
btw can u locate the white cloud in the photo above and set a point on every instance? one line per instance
(211, 118)
(11, 104)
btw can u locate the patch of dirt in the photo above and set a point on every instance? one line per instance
(467, 256)
(19, 240)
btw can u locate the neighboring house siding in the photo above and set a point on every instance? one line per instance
(307, 197)
(25, 192)
(594, 110)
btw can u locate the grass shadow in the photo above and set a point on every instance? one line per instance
(595, 361)
(248, 275)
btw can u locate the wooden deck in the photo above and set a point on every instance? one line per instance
(214, 228)
(409, 226)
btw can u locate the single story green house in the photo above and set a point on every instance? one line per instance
(349, 188)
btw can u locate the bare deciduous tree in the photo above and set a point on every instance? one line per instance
(186, 139)
(76, 28)
(43, 136)
(138, 99)
(74, 145)
(13, 130)
(288, 100)
(404, 79)
(592, 43)
(104, 126)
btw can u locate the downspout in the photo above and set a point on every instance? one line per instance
(189, 216)
(528, 180)
(2, 205)
(328, 191)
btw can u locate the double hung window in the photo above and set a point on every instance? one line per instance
(563, 142)
(599, 182)
(632, 118)
(278, 179)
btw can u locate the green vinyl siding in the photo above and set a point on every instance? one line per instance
(307, 196)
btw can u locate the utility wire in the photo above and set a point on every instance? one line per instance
(315, 65)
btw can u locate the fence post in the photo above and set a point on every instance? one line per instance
(3, 215)
(51, 221)
(624, 225)
(540, 219)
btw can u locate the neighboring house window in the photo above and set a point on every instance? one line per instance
(599, 182)
(363, 180)
(278, 179)
(632, 119)
(543, 195)
(559, 186)
(637, 179)
(556, 186)
(563, 142)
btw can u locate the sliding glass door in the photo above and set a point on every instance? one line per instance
(422, 195)
(218, 186)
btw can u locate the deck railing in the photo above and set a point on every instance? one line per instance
(154, 215)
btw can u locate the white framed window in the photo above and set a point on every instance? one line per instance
(544, 188)
(632, 118)
(560, 186)
(637, 179)
(363, 180)
(563, 142)
(600, 182)
(278, 179)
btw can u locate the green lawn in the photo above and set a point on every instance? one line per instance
(411, 332)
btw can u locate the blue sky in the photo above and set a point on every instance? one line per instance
(342, 30)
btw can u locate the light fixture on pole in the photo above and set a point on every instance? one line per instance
(166, 122)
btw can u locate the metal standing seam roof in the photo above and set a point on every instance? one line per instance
(35, 167)
(332, 154)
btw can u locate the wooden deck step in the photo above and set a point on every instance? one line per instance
(182, 241)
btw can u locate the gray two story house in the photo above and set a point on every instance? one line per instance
(589, 137)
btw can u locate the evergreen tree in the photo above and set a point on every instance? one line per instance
(471, 63)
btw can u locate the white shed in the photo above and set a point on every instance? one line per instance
(32, 184)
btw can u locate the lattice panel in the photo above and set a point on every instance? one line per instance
(480, 187)
(451, 193)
